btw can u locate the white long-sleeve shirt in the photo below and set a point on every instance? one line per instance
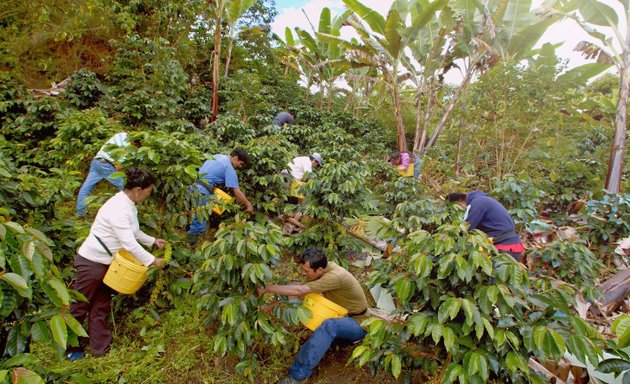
(116, 224)
(299, 166)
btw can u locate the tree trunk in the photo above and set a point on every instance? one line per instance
(615, 165)
(331, 91)
(228, 59)
(401, 141)
(419, 121)
(216, 56)
(451, 106)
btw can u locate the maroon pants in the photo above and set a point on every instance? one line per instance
(89, 282)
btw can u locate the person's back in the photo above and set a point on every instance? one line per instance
(283, 118)
(299, 166)
(490, 216)
(218, 171)
(341, 287)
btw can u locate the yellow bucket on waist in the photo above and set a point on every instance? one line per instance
(293, 190)
(222, 196)
(125, 274)
(406, 172)
(321, 309)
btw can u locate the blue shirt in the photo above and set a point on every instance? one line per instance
(219, 171)
(488, 215)
(283, 118)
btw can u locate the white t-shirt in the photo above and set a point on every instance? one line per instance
(116, 224)
(299, 166)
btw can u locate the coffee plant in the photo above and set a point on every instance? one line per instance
(240, 259)
(84, 89)
(519, 196)
(570, 261)
(469, 308)
(269, 155)
(608, 219)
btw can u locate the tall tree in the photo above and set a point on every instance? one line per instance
(591, 14)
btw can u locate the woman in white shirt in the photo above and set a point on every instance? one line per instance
(115, 227)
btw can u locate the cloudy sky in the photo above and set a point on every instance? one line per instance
(292, 14)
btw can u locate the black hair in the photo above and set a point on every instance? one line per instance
(315, 257)
(456, 196)
(137, 177)
(395, 155)
(242, 155)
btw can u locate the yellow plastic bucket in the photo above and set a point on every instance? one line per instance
(224, 197)
(125, 274)
(322, 309)
(293, 190)
(406, 172)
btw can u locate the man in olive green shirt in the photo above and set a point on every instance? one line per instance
(337, 285)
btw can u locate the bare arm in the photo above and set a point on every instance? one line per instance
(286, 290)
(240, 196)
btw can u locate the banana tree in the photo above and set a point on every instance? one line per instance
(318, 61)
(384, 41)
(235, 10)
(591, 14)
(490, 32)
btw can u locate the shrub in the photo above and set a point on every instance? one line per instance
(608, 219)
(570, 261)
(84, 89)
(468, 308)
(519, 196)
(238, 261)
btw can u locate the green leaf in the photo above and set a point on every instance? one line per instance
(73, 324)
(449, 339)
(59, 331)
(598, 13)
(449, 309)
(515, 362)
(20, 360)
(374, 19)
(40, 332)
(452, 373)
(14, 226)
(61, 290)
(18, 283)
(30, 377)
(396, 366)
(614, 365)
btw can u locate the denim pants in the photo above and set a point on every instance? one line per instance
(99, 170)
(313, 350)
(197, 227)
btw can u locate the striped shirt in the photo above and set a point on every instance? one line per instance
(119, 139)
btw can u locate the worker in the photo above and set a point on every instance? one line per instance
(302, 164)
(283, 118)
(115, 228)
(401, 160)
(220, 170)
(102, 167)
(337, 285)
(491, 217)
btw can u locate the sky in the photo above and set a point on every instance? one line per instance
(292, 14)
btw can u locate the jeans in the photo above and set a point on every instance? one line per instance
(416, 167)
(197, 227)
(313, 350)
(99, 170)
